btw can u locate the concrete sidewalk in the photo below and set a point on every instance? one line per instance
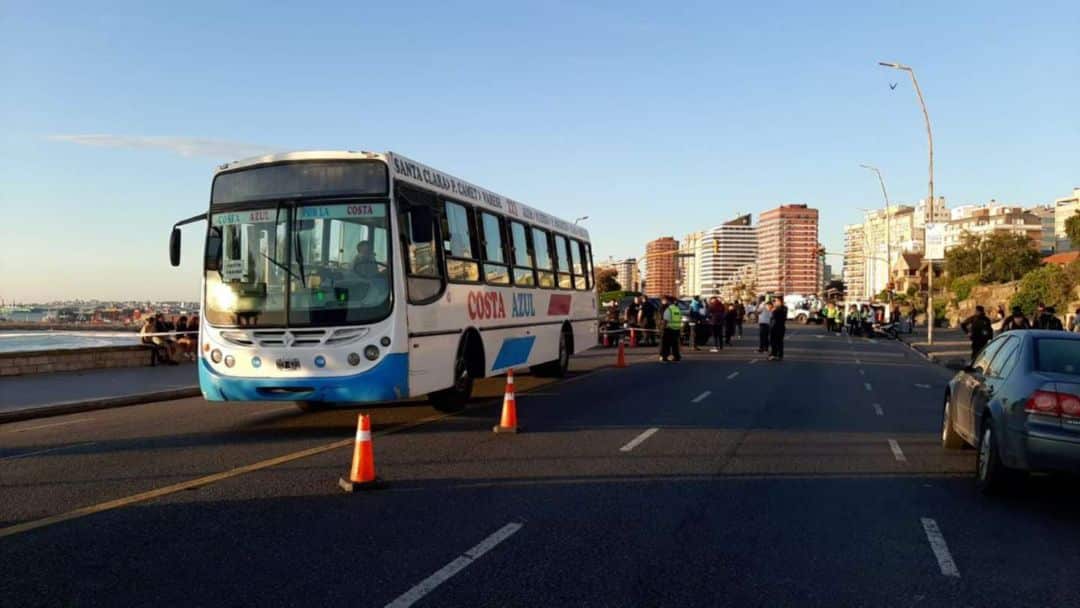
(951, 347)
(32, 396)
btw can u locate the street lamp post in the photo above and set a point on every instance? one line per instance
(888, 230)
(930, 140)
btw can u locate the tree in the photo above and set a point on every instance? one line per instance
(605, 280)
(1072, 228)
(1048, 285)
(997, 258)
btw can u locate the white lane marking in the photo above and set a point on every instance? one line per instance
(66, 447)
(753, 361)
(862, 373)
(922, 386)
(940, 549)
(858, 361)
(868, 387)
(878, 410)
(732, 375)
(701, 397)
(636, 441)
(272, 411)
(459, 563)
(45, 426)
(872, 341)
(897, 453)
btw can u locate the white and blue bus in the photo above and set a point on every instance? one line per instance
(333, 278)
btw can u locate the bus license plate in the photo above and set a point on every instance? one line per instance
(288, 364)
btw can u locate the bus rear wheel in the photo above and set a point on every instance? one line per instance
(558, 367)
(454, 398)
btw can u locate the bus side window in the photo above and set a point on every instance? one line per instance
(524, 274)
(495, 266)
(424, 277)
(459, 244)
(579, 270)
(566, 280)
(587, 254)
(545, 274)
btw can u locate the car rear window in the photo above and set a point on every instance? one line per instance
(1060, 356)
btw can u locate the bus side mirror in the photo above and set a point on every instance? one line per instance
(174, 247)
(213, 250)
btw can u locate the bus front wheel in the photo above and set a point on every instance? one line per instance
(558, 367)
(454, 398)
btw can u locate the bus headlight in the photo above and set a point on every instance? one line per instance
(215, 356)
(230, 360)
(371, 352)
(354, 359)
(385, 341)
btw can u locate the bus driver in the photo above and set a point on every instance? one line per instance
(364, 263)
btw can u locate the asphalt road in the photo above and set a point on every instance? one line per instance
(725, 479)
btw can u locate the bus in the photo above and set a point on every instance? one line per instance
(335, 278)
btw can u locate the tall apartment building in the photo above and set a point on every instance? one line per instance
(922, 213)
(854, 262)
(725, 249)
(1045, 213)
(626, 272)
(1064, 208)
(788, 245)
(689, 263)
(661, 268)
(992, 218)
(886, 237)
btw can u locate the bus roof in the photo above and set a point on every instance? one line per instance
(413, 172)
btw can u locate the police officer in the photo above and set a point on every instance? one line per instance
(978, 329)
(671, 323)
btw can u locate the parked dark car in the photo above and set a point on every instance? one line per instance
(1018, 404)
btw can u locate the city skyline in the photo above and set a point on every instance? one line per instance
(559, 107)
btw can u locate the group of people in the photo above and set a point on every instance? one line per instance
(720, 321)
(713, 318)
(171, 341)
(980, 328)
(859, 320)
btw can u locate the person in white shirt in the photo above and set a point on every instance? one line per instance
(764, 318)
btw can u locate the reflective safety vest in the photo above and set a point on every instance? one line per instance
(676, 317)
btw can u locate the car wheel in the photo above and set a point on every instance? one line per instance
(950, 439)
(991, 475)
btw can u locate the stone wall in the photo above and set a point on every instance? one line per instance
(989, 296)
(73, 359)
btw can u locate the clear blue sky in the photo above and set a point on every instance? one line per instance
(651, 118)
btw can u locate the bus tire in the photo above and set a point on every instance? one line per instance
(558, 367)
(453, 399)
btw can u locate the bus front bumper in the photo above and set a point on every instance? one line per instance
(387, 381)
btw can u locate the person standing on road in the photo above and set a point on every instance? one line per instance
(729, 322)
(647, 320)
(979, 330)
(1040, 311)
(740, 314)
(697, 321)
(716, 323)
(777, 328)
(671, 326)
(764, 319)
(1016, 321)
(1049, 320)
(631, 319)
(1074, 325)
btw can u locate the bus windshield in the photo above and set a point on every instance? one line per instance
(340, 264)
(329, 265)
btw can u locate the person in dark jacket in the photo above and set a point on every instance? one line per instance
(740, 314)
(777, 328)
(1016, 321)
(978, 329)
(1048, 320)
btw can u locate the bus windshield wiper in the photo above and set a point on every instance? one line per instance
(300, 261)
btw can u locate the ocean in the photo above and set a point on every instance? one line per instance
(18, 340)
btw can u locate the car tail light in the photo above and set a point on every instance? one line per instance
(1051, 403)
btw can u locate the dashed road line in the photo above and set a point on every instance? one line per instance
(636, 441)
(732, 375)
(878, 410)
(52, 424)
(66, 447)
(897, 453)
(922, 386)
(862, 373)
(940, 548)
(753, 361)
(858, 361)
(868, 387)
(458, 564)
(701, 397)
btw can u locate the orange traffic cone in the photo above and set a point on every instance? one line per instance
(508, 424)
(362, 474)
(620, 358)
